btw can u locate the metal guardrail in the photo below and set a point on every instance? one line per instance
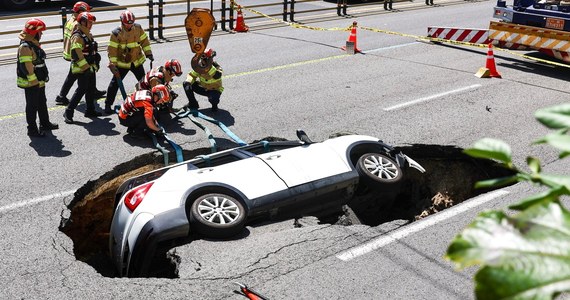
(156, 12)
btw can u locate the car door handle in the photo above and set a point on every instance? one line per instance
(205, 170)
(271, 157)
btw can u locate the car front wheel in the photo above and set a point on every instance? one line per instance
(379, 171)
(217, 215)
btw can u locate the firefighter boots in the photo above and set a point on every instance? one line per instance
(68, 116)
(61, 100)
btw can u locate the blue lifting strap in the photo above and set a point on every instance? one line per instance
(160, 148)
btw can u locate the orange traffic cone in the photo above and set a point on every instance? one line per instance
(351, 42)
(240, 23)
(491, 63)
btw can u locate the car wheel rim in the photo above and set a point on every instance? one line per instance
(381, 167)
(218, 209)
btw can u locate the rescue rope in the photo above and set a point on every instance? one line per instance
(158, 146)
(176, 147)
(164, 151)
(194, 114)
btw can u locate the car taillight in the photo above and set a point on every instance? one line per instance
(135, 196)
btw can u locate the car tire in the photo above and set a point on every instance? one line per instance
(379, 172)
(217, 215)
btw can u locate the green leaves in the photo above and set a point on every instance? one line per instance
(554, 117)
(491, 149)
(525, 257)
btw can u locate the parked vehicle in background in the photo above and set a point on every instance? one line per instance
(215, 195)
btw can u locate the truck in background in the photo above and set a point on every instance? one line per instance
(542, 26)
(533, 25)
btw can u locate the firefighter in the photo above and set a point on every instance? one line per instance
(32, 75)
(84, 64)
(162, 75)
(70, 27)
(138, 112)
(128, 49)
(207, 84)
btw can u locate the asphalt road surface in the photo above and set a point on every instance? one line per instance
(276, 81)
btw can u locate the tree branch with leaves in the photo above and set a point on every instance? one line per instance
(525, 255)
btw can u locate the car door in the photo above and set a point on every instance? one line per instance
(250, 176)
(305, 163)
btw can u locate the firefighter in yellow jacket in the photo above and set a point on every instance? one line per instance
(69, 28)
(128, 49)
(208, 84)
(85, 61)
(32, 75)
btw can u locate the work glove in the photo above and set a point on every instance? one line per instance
(173, 95)
(150, 57)
(160, 132)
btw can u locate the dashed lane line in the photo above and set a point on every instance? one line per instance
(425, 99)
(419, 225)
(33, 201)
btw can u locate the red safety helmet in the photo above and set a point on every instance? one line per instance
(210, 52)
(80, 7)
(34, 25)
(86, 16)
(162, 92)
(174, 66)
(127, 17)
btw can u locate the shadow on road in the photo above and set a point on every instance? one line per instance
(49, 146)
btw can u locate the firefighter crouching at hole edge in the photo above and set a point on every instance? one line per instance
(162, 75)
(128, 49)
(69, 28)
(84, 64)
(139, 110)
(32, 76)
(208, 84)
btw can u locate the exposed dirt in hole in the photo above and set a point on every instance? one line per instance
(449, 179)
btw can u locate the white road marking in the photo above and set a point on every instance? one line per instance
(390, 47)
(419, 225)
(405, 104)
(33, 201)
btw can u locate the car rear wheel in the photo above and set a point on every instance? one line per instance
(378, 171)
(217, 215)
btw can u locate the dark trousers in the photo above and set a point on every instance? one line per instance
(190, 89)
(136, 122)
(85, 87)
(114, 85)
(68, 83)
(36, 105)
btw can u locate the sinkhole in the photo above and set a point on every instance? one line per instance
(449, 179)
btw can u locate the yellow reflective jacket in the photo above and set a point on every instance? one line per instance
(211, 80)
(128, 46)
(70, 27)
(83, 51)
(31, 68)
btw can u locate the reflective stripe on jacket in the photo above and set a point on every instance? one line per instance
(128, 46)
(209, 81)
(70, 27)
(154, 77)
(31, 69)
(141, 101)
(81, 43)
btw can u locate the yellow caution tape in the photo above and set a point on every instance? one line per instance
(440, 40)
(418, 37)
(295, 25)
